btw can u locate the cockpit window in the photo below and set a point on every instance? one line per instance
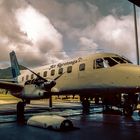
(105, 62)
(110, 62)
(125, 59)
(119, 60)
(99, 63)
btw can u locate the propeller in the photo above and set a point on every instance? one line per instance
(38, 76)
(47, 84)
(45, 80)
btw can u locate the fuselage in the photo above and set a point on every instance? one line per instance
(101, 73)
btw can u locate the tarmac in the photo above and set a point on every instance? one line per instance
(93, 125)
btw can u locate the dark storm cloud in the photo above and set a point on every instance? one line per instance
(8, 26)
(16, 34)
(76, 14)
(65, 27)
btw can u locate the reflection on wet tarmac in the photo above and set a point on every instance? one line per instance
(92, 125)
(8, 112)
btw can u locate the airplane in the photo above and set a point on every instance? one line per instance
(108, 78)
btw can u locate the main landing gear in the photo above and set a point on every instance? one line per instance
(20, 112)
(20, 109)
(85, 104)
(130, 104)
(128, 110)
(139, 113)
(127, 105)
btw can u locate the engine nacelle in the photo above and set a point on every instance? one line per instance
(47, 85)
(34, 92)
(50, 122)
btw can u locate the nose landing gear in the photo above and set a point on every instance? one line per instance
(127, 111)
(20, 112)
(86, 104)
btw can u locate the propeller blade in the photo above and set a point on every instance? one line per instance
(58, 76)
(49, 84)
(36, 74)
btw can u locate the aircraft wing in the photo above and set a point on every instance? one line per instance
(8, 80)
(13, 87)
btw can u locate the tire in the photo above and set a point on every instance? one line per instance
(20, 112)
(128, 111)
(66, 125)
(139, 113)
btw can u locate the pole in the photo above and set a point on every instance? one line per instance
(136, 34)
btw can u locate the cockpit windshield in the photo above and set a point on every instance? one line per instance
(125, 59)
(121, 60)
(110, 61)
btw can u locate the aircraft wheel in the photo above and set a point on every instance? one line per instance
(128, 111)
(86, 103)
(20, 111)
(97, 100)
(139, 113)
(66, 125)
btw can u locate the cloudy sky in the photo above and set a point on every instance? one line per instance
(46, 31)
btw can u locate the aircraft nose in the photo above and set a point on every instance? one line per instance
(131, 75)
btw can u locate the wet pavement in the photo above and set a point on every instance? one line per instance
(94, 125)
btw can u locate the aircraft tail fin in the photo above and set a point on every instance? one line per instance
(14, 65)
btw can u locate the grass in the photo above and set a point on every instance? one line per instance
(7, 97)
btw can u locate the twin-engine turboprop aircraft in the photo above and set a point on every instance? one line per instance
(103, 76)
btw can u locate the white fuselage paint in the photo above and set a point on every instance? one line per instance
(120, 78)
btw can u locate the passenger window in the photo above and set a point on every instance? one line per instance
(99, 63)
(38, 73)
(27, 77)
(60, 71)
(22, 78)
(52, 72)
(82, 67)
(32, 76)
(69, 69)
(45, 74)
